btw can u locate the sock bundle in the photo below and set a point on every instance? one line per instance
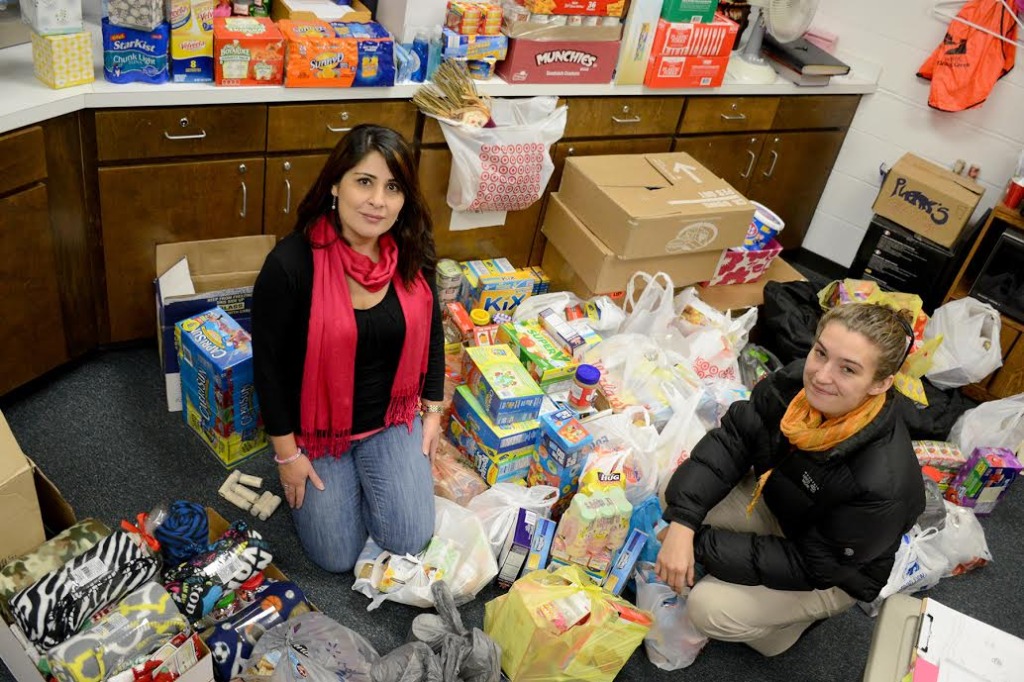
(184, 533)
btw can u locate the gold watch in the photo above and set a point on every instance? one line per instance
(432, 409)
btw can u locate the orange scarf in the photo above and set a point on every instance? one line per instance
(808, 429)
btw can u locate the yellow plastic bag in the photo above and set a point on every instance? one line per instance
(561, 626)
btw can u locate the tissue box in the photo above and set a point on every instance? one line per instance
(986, 475)
(247, 51)
(502, 385)
(53, 17)
(62, 61)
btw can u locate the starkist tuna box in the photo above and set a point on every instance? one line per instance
(559, 61)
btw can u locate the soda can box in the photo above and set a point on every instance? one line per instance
(376, 52)
(495, 439)
(502, 385)
(983, 479)
(565, 439)
(191, 40)
(136, 56)
(247, 51)
(943, 456)
(544, 360)
(217, 391)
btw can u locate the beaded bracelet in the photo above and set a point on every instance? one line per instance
(289, 460)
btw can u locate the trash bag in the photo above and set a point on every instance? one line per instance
(411, 662)
(789, 319)
(463, 655)
(673, 641)
(970, 348)
(995, 424)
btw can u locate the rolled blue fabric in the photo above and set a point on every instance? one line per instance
(184, 533)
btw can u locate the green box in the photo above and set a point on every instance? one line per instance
(689, 11)
(543, 359)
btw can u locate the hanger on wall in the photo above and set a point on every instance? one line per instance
(947, 10)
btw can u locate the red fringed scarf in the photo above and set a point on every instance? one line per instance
(327, 381)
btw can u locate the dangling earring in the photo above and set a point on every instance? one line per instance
(334, 203)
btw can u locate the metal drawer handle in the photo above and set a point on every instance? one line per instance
(750, 167)
(245, 192)
(287, 189)
(344, 117)
(196, 136)
(734, 117)
(631, 119)
(771, 169)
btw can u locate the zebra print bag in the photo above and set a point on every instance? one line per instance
(56, 606)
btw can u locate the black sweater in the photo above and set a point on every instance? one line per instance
(843, 511)
(281, 301)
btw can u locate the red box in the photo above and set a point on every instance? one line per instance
(247, 51)
(601, 8)
(559, 61)
(714, 39)
(741, 266)
(685, 72)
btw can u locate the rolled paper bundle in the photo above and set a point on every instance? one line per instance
(49, 556)
(55, 607)
(143, 621)
(184, 533)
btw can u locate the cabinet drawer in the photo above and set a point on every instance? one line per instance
(180, 131)
(815, 111)
(728, 114)
(22, 158)
(618, 116)
(319, 126)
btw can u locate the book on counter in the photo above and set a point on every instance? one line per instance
(799, 78)
(803, 57)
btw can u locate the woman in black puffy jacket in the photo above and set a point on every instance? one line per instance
(795, 506)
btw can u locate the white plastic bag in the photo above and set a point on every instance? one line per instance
(919, 564)
(995, 424)
(677, 440)
(504, 168)
(498, 507)
(649, 312)
(471, 565)
(962, 541)
(970, 349)
(673, 641)
(624, 443)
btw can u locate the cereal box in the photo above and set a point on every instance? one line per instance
(496, 286)
(376, 50)
(983, 479)
(502, 385)
(494, 440)
(62, 61)
(544, 360)
(505, 470)
(601, 8)
(564, 438)
(945, 457)
(474, 434)
(315, 57)
(217, 391)
(247, 51)
(191, 40)
(134, 56)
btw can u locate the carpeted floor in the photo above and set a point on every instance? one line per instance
(100, 431)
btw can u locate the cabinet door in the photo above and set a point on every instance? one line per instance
(142, 206)
(728, 114)
(288, 180)
(730, 157)
(29, 299)
(1009, 379)
(791, 175)
(619, 116)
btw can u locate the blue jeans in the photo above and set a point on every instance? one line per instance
(382, 487)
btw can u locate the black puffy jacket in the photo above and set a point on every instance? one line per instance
(843, 511)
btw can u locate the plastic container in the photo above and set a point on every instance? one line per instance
(584, 387)
(764, 227)
(421, 46)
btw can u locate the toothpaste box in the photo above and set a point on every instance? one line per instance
(546, 362)
(625, 562)
(502, 385)
(540, 545)
(376, 52)
(247, 51)
(315, 57)
(191, 40)
(134, 56)
(513, 553)
(217, 391)
(564, 438)
(983, 479)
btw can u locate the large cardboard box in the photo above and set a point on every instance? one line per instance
(215, 272)
(22, 527)
(597, 265)
(647, 205)
(559, 61)
(928, 199)
(325, 10)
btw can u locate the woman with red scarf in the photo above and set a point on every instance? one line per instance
(348, 354)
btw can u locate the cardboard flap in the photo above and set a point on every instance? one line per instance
(58, 514)
(678, 168)
(211, 256)
(224, 281)
(12, 459)
(940, 173)
(621, 170)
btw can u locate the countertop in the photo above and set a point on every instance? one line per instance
(24, 100)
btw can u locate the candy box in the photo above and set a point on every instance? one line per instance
(544, 360)
(502, 385)
(133, 56)
(492, 439)
(52, 17)
(62, 61)
(983, 479)
(705, 39)
(217, 390)
(376, 52)
(315, 57)
(247, 51)
(945, 457)
(601, 8)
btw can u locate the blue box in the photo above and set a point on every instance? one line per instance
(625, 561)
(494, 439)
(134, 56)
(376, 53)
(565, 438)
(509, 468)
(517, 545)
(217, 390)
(502, 385)
(462, 46)
(540, 545)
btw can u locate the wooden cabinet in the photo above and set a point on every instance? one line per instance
(180, 131)
(22, 159)
(621, 116)
(301, 127)
(728, 114)
(731, 157)
(288, 180)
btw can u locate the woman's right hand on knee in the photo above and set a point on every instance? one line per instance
(293, 480)
(675, 560)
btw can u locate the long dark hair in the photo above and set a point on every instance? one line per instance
(413, 230)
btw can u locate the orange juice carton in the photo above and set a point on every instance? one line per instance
(502, 385)
(315, 57)
(247, 51)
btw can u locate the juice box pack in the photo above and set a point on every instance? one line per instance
(217, 391)
(943, 456)
(502, 385)
(983, 479)
(191, 40)
(247, 51)
(316, 57)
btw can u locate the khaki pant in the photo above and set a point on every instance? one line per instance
(769, 621)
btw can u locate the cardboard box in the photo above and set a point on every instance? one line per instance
(928, 199)
(740, 265)
(983, 479)
(517, 545)
(685, 72)
(496, 440)
(601, 8)
(637, 41)
(559, 61)
(504, 388)
(247, 51)
(191, 40)
(647, 205)
(540, 546)
(324, 10)
(739, 296)
(193, 277)
(599, 268)
(693, 11)
(711, 39)
(533, 30)
(55, 17)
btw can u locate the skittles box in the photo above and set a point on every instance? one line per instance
(315, 57)
(217, 392)
(502, 385)
(983, 479)
(133, 56)
(376, 53)
(247, 51)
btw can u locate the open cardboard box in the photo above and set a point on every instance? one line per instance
(324, 10)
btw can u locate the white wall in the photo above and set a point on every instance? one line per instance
(896, 36)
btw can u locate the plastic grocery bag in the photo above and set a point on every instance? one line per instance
(648, 311)
(454, 479)
(673, 641)
(602, 314)
(962, 541)
(995, 424)
(555, 627)
(507, 167)
(624, 444)
(677, 440)
(919, 565)
(970, 349)
(458, 553)
(498, 507)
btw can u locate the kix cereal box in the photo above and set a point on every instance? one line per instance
(191, 40)
(502, 385)
(945, 457)
(134, 56)
(496, 286)
(61, 61)
(247, 51)
(376, 50)
(315, 57)
(983, 479)
(217, 391)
